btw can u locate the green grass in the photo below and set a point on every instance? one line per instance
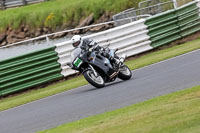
(58, 13)
(173, 113)
(182, 2)
(139, 62)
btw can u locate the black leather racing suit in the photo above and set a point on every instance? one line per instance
(86, 44)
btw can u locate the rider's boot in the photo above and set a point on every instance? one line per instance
(120, 60)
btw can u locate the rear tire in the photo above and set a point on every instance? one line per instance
(125, 73)
(97, 82)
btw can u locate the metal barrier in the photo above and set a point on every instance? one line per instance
(189, 20)
(29, 70)
(174, 24)
(14, 3)
(163, 28)
(146, 9)
(57, 33)
(156, 6)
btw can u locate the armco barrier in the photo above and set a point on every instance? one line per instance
(174, 24)
(188, 19)
(29, 70)
(163, 28)
(15, 3)
(131, 39)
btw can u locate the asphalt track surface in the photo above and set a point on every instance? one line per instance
(148, 82)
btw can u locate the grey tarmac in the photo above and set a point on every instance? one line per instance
(155, 80)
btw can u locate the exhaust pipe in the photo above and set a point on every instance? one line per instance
(114, 74)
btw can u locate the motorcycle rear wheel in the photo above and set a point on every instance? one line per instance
(97, 82)
(125, 73)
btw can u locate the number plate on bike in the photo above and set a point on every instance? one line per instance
(78, 62)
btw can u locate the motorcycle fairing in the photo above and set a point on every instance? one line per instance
(103, 64)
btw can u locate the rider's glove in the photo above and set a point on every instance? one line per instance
(92, 43)
(91, 49)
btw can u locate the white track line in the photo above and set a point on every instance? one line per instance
(167, 60)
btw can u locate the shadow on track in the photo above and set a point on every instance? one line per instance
(106, 86)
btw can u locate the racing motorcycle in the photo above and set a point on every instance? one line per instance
(97, 69)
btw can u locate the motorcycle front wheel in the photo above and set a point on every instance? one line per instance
(124, 73)
(96, 81)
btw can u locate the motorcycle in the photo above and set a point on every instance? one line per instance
(97, 69)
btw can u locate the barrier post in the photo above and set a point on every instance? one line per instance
(3, 5)
(198, 3)
(24, 2)
(47, 39)
(175, 4)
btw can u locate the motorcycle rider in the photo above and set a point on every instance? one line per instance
(89, 44)
(85, 44)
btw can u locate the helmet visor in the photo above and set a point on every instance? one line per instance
(76, 44)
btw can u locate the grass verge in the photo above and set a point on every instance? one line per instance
(139, 62)
(173, 113)
(58, 13)
(63, 13)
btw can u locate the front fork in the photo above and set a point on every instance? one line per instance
(95, 73)
(122, 58)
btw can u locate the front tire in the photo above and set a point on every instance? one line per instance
(97, 82)
(125, 73)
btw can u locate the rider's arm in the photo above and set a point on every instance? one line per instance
(93, 45)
